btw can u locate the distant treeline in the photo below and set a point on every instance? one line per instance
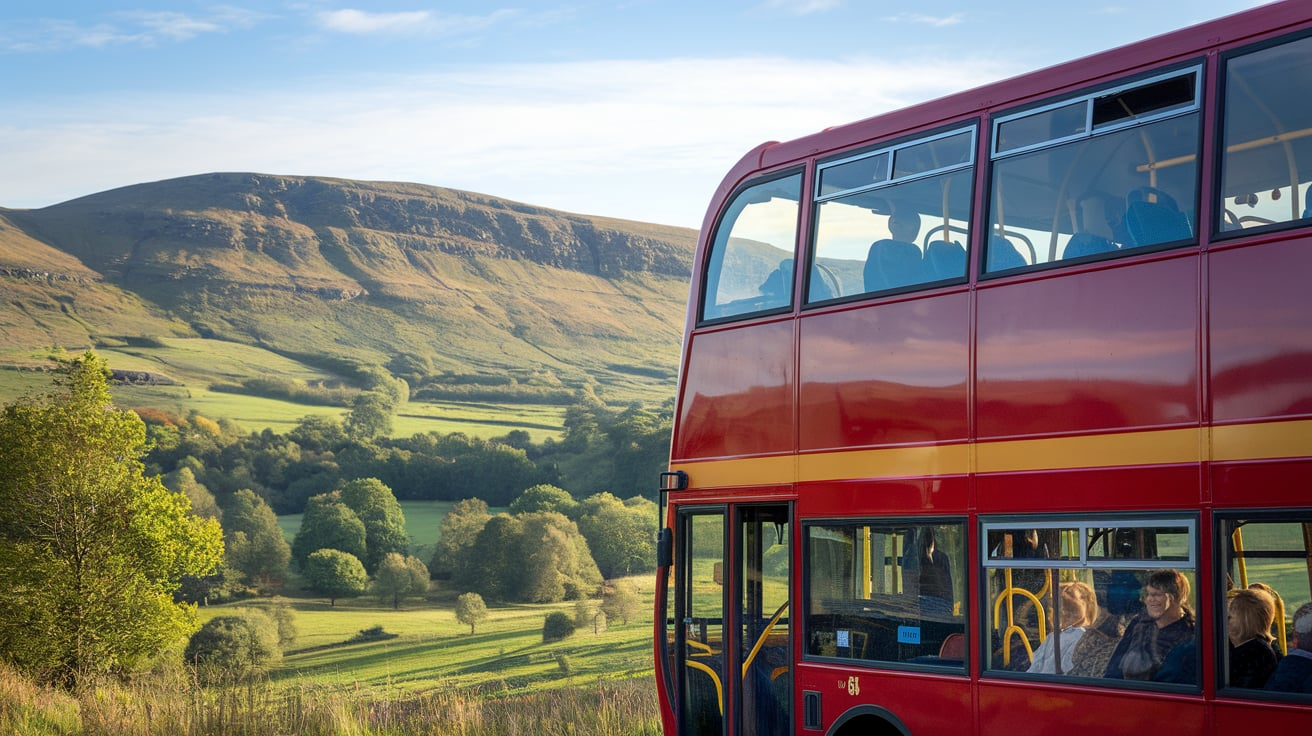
(620, 450)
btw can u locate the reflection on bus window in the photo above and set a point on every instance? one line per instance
(1097, 176)
(1092, 600)
(1267, 132)
(887, 592)
(750, 268)
(1272, 558)
(894, 218)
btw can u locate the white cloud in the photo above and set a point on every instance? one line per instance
(936, 21)
(410, 23)
(137, 28)
(638, 140)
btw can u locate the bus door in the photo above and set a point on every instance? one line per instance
(732, 646)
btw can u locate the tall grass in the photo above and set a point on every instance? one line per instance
(172, 705)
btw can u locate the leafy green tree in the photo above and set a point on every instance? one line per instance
(255, 543)
(371, 415)
(621, 602)
(621, 537)
(471, 610)
(557, 625)
(536, 558)
(456, 534)
(384, 522)
(336, 574)
(493, 564)
(234, 647)
(91, 549)
(183, 480)
(400, 577)
(544, 497)
(328, 524)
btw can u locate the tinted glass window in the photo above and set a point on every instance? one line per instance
(750, 268)
(1115, 602)
(886, 592)
(1266, 563)
(1266, 164)
(890, 232)
(1129, 182)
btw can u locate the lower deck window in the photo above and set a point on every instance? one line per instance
(1093, 600)
(886, 592)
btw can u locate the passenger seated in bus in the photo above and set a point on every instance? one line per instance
(935, 574)
(1078, 610)
(778, 286)
(1098, 218)
(895, 261)
(1165, 622)
(1276, 635)
(1294, 673)
(1248, 625)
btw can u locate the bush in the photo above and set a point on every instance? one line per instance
(373, 633)
(558, 625)
(237, 646)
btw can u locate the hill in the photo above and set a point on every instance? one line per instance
(466, 296)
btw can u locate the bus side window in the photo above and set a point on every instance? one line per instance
(1266, 158)
(1085, 600)
(1270, 559)
(886, 592)
(750, 267)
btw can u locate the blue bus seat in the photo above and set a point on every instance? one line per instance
(944, 260)
(893, 263)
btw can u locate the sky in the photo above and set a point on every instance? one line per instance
(632, 109)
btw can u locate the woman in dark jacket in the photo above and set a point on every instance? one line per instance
(1165, 623)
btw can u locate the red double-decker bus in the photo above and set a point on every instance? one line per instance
(996, 412)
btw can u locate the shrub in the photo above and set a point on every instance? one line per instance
(237, 646)
(558, 625)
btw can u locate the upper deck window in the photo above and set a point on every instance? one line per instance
(1107, 172)
(893, 218)
(1266, 167)
(750, 268)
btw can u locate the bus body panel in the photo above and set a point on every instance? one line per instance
(1250, 484)
(842, 688)
(1058, 491)
(888, 374)
(901, 496)
(1103, 349)
(737, 393)
(1259, 302)
(1006, 707)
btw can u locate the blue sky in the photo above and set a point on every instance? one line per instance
(631, 109)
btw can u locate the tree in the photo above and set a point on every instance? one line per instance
(183, 480)
(91, 549)
(544, 497)
(400, 577)
(557, 625)
(336, 574)
(384, 522)
(621, 537)
(621, 602)
(471, 610)
(536, 558)
(255, 543)
(328, 524)
(235, 646)
(456, 533)
(371, 415)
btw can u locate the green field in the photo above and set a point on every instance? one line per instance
(433, 651)
(197, 363)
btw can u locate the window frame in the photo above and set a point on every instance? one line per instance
(1088, 96)
(805, 623)
(971, 125)
(714, 248)
(1215, 230)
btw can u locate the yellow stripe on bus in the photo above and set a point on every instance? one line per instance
(1266, 440)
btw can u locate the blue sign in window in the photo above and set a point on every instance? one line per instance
(908, 635)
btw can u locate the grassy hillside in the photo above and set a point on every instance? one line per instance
(215, 279)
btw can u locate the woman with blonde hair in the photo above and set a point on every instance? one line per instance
(1079, 609)
(1252, 660)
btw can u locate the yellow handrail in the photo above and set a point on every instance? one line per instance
(719, 691)
(760, 640)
